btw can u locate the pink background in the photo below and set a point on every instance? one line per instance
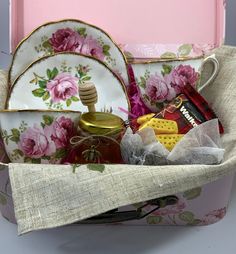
(128, 21)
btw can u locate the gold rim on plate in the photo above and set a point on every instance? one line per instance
(68, 53)
(57, 22)
(161, 60)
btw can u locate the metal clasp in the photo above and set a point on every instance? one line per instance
(114, 216)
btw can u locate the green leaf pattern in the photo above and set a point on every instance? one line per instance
(169, 55)
(96, 167)
(186, 216)
(184, 50)
(154, 219)
(47, 120)
(193, 193)
(177, 214)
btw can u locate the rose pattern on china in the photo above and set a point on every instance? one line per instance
(59, 131)
(63, 87)
(34, 143)
(158, 90)
(58, 88)
(65, 40)
(161, 88)
(91, 47)
(47, 142)
(75, 40)
(174, 78)
(181, 76)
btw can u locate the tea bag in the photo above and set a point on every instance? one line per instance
(142, 148)
(131, 148)
(201, 145)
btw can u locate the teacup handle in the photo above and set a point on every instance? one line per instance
(216, 67)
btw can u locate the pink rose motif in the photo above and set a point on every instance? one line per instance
(63, 87)
(181, 76)
(158, 90)
(201, 49)
(214, 216)
(60, 131)
(65, 40)
(91, 47)
(35, 144)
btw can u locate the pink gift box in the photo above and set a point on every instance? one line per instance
(140, 27)
(145, 29)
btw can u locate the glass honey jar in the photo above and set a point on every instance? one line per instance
(98, 140)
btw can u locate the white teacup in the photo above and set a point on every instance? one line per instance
(161, 80)
(38, 136)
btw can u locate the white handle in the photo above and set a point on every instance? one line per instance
(216, 67)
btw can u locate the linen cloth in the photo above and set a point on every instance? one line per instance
(47, 196)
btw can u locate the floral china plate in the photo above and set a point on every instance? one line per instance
(68, 36)
(53, 83)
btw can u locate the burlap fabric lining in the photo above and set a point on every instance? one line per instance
(47, 196)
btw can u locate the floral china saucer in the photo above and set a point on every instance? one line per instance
(68, 36)
(53, 82)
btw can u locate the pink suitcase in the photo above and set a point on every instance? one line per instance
(144, 31)
(131, 23)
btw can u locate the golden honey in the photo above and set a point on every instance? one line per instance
(98, 140)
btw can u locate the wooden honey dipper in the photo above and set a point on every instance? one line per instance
(88, 95)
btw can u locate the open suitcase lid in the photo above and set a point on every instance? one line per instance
(143, 28)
